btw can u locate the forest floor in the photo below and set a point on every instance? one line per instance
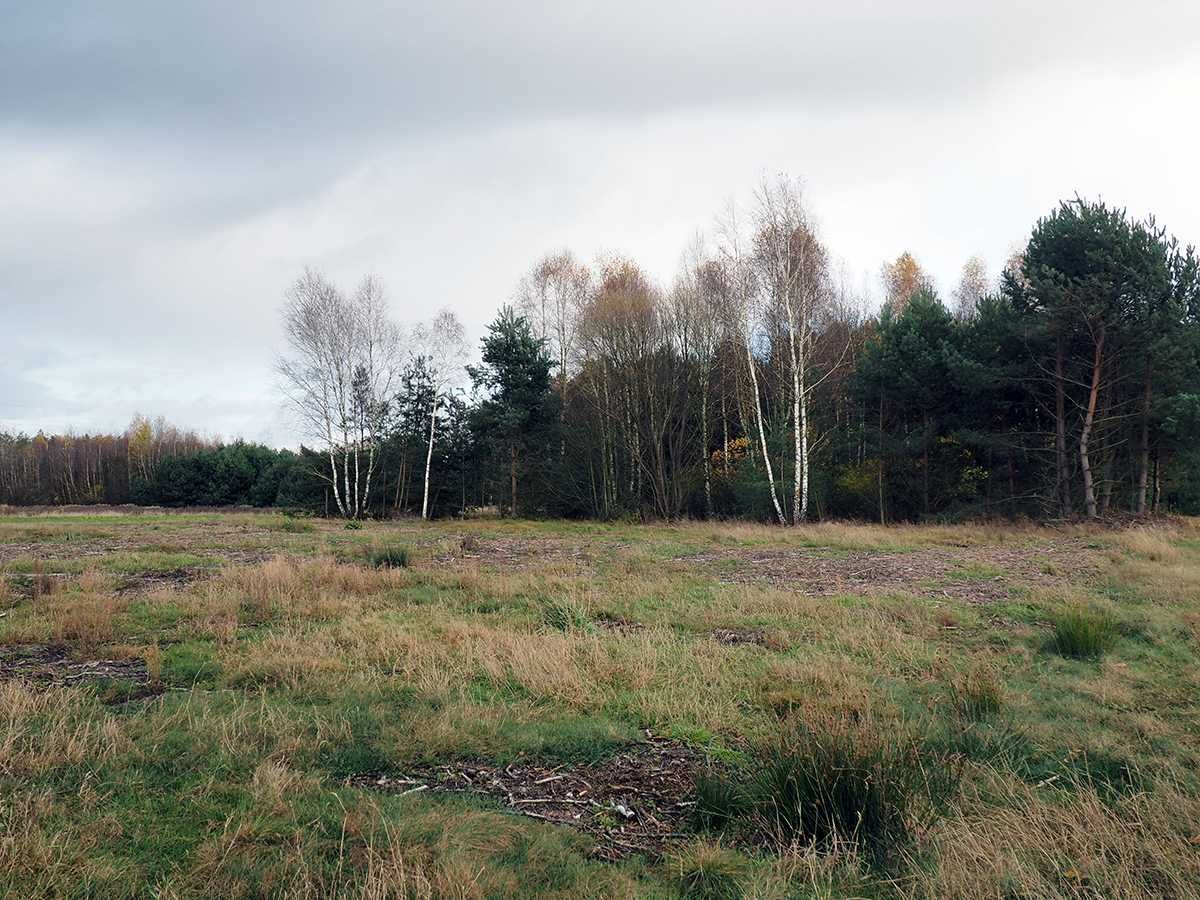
(232, 704)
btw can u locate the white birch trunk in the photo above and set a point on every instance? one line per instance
(429, 460)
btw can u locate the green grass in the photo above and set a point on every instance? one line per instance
(388, 557)
(1084, 634)
(861, 752)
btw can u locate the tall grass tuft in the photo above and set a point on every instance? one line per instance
(720, 799)
(563, 615)
(978, 694)
(839, 782)
(709, 872)
(388, 557)
(1084, 634)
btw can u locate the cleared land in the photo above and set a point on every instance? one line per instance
(238, 705)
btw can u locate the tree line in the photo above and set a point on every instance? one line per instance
(754, 385)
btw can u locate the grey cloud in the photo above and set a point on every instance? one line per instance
(167, 168)
(305, 73)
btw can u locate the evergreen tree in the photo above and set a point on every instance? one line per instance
(516, 421)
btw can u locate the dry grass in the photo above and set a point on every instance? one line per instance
(1068, 845)
(1155, 543)
(86, 620)
(47, 728)
(310, 661)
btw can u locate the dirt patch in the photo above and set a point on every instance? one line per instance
(974, 574)
(736, 637)
(53, 665)
(636, 802)
(519, 554)
(167, 578)
(618, 624)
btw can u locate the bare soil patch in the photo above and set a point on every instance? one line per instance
(520, 554)
(636, 802)
(618, 624)
(53, 665)
(735, 637)
(974, 574)
(168, 578)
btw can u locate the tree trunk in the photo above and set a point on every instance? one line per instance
(882, 516)
(1144, 451)
(512, 472)
(337, 498)
(1089, 492)
(797, 464)
(429, 461)
(925, 465)
(762, 437)
(708, 503)
(1061, 475)
(804, 447)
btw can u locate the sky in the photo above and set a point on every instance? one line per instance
(167, 170)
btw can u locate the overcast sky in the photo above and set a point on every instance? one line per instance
(167, 169)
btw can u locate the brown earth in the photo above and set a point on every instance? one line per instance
(53, 665)
(976, 574)
(519, 554)
(636, 802)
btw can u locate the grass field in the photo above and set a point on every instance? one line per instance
(242, 705)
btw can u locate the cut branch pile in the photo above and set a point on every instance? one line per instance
(636, 802)
(52, 665)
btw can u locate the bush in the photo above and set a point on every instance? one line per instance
(388, 557)
(845, 781)
(1084, 634)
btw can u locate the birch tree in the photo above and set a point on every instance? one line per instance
(745, 310)
(794, 272)
(552, 297)
(443, 349)
(699, 302)
(337, 375)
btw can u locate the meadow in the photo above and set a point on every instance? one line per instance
(233, 704)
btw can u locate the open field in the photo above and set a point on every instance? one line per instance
(241, 705)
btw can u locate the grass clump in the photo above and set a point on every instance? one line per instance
(720, 799)
(388, 557)
(838, 782)
(563, 615)
(1084, 634)
(978, 694)
(710, 872)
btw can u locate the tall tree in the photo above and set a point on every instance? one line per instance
(793, 269)
(745, 302)
(902, 278)
(515, 417)
(443, 349)
(973, 286)
(337, 375)
(1081, 267)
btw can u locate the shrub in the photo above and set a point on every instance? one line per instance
(388, 557)
(1084, 634)
(978, 694)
